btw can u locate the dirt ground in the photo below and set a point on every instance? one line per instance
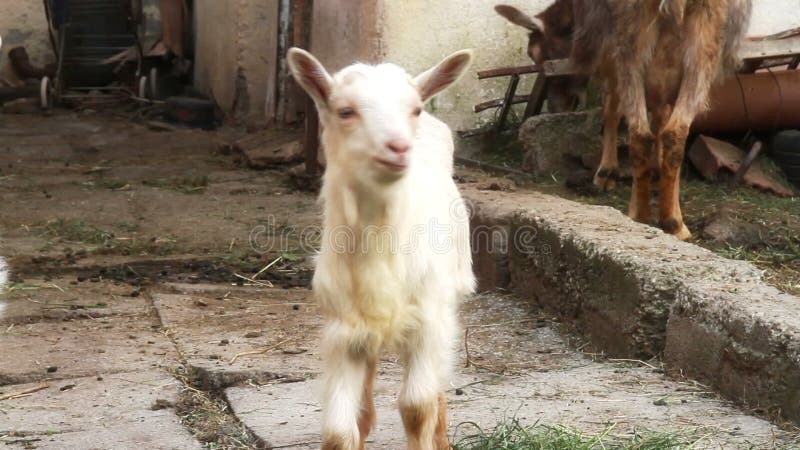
(159, 300)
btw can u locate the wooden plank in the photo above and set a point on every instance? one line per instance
(272, 57)
(755, 150)
(783, 34)
(770, 49)
(536, 98)
(559, 68)
(508, 71)
(496, 103)
(311, 139)
(300, 37)
(508, 101)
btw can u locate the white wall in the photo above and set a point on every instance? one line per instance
(22, 22)
(772, 16)
(417, 33)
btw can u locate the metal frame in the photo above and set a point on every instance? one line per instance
(54, 91)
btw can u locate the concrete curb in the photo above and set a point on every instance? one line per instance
(636, 292)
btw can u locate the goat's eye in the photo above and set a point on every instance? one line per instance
(417, 111)
(346, 113)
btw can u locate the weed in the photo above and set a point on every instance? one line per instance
(511, 435)
(190, 184)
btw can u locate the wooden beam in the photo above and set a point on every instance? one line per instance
(783, 34)
(508, 101)
(508, 71)
(498, 103)
(536, 98)
(559, 68)
(770, 49)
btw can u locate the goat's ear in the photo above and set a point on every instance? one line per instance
(309, 73)
(440, 77)
(518, 17)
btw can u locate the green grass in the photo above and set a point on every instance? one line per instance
(192, 184)
(107, 241)
(511, 435)
(108, 183)
(778, 218)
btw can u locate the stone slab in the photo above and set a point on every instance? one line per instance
(64, 298)
(635, 291)
(210, 327)
(115, 411)
(85, 347)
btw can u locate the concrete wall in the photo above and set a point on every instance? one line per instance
(22, 22)
(418, 33)
(344, 31)
(235, 52)
(772, 16)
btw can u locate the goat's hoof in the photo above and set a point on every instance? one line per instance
(606, 178)
(683, 234)
(677, 229)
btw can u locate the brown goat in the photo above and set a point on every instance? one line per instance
(550, 37)
(661, 57)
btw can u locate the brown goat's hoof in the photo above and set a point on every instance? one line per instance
(606, 178)
(677, 229)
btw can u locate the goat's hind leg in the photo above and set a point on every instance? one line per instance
(703, 53)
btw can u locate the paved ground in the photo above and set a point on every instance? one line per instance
(126, 244)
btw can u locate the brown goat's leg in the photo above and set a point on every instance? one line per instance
(366, 418)
(673, 142)
(703, 53)
(640, 151)
(608, 172)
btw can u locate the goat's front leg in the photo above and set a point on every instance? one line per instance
(346, 422)
(423, 405)
(608, 173)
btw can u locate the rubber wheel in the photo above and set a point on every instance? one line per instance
(142, 90)
(153, 83)
(785, 148)
(45, 94)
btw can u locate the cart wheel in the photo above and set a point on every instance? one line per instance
(153, 83)
(142, 91)
(45, 94)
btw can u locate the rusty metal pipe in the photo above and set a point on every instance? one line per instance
(759, 101)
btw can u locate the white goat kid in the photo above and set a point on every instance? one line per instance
(395, 256)
(3, 281)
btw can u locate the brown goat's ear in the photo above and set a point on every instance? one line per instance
(310, 75)
(440, 77)
(518, 17)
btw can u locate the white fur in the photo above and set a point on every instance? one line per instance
(395, 256)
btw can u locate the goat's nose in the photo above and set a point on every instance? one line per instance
(398, 146)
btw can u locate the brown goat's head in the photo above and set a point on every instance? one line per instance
(550, 38)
